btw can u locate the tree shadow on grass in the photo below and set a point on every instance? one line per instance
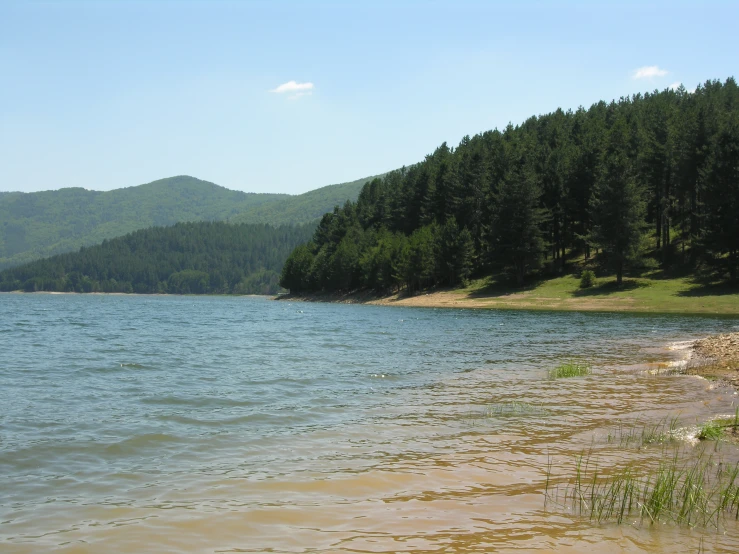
(709, 289)
(610, 287)
(497, 289)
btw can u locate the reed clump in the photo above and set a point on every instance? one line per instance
(715, 429)
(640, 434)
(710, 431)
(699, 492)
(570, 369)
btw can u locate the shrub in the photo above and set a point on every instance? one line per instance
(587, 279)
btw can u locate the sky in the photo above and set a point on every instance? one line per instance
(280, 96)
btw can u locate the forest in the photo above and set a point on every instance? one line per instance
(186, 258)
(40, 224)
(646, 183)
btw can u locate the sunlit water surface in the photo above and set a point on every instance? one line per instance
(210, 424)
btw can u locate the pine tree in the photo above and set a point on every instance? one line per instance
(517, 236)
(619, 207)
(453, 253)
(721, 236)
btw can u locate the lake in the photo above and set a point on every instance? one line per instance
(242, 424)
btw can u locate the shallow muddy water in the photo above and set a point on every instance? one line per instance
(208, 424)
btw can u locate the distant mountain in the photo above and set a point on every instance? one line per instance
(302, 208)
(40, 224)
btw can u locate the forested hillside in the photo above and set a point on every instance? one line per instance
(302, 208)
(648, 180)
(203, 257)
(41, 224)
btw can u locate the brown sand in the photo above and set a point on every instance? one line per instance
(462, 299)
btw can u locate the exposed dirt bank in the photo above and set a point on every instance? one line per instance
(717, 357)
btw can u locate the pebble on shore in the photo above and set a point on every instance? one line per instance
(718, 356)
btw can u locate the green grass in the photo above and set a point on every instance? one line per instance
(710, 431)
(714, 429)
(651, 293)
(570, 369)
(699, 492)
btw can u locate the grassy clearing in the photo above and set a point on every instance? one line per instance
(700, 492)
(570, 369)
(651, 293)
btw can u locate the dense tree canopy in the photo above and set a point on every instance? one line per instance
(649, 179)
(187, 258)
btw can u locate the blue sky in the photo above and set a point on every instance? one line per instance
(107, 94)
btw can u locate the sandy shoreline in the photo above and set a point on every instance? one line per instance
(459, 299)
(561, 295)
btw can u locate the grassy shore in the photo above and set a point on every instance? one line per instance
(650, 294)
(647, 295)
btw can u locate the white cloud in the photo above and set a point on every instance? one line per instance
(649, 72)
(292, 86)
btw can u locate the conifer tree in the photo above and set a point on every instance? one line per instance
(619, 206)
(518, 242)
(721, 236)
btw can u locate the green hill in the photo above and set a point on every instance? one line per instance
(187, 258)
(40, 224)
(302, 208)
(650, 181)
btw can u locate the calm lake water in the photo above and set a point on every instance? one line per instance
(235, 424)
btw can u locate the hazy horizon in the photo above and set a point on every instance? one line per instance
(194, 177)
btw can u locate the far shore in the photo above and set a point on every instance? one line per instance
(635, 295)
(52, 292)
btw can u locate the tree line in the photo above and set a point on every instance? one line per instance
(186, 258)
(647, 181)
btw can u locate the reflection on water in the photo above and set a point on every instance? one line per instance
(157, 424)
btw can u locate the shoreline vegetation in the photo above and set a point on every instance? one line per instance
(691, 485)
(637, 295)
